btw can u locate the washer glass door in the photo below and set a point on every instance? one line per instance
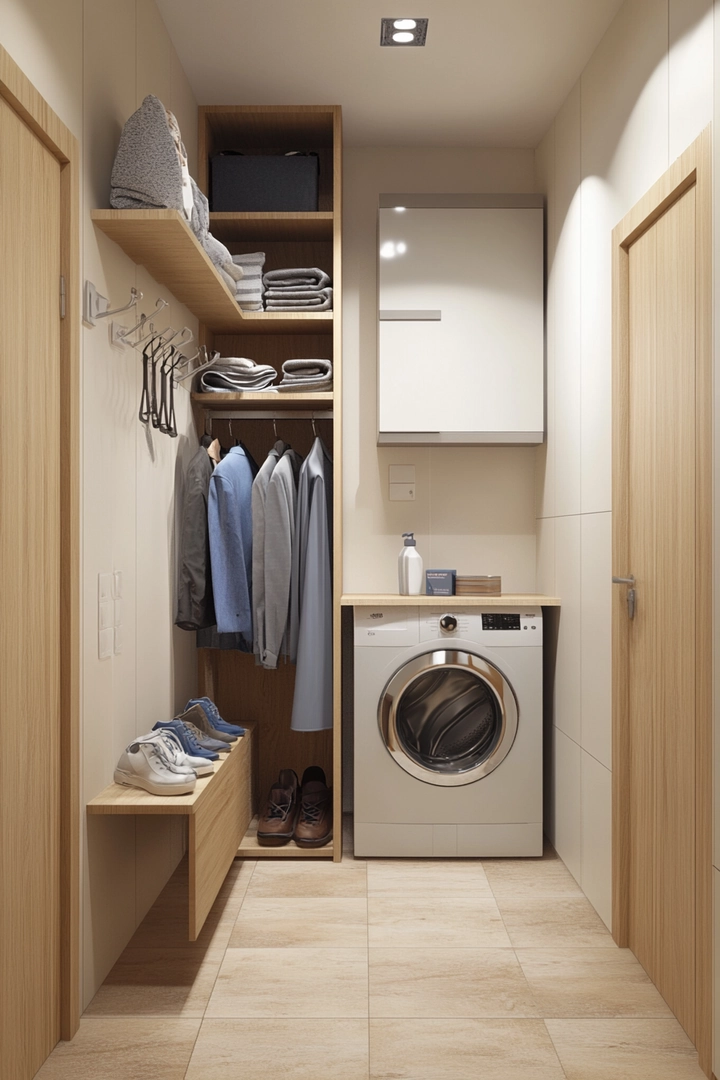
(448, 717)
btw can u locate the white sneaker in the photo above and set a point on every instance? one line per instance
(175, 753)
(147, 765)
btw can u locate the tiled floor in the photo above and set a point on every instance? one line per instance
(379, 970)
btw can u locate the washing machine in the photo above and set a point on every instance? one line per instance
(448, 736)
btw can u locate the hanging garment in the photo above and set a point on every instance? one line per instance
(280, 508)
(259, 492)
(230, 528)
(311, 606)
(195, 609)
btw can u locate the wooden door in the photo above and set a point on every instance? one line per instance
(661, 666)
(30, 627)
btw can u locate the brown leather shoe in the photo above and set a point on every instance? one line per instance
(314, 825)
(276, 824)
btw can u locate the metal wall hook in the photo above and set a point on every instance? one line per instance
(202, 351)
(123, 334)
(312, 421)
(96, 306)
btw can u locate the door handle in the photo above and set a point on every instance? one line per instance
(631, 597)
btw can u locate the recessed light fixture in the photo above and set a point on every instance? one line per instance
(404, 33)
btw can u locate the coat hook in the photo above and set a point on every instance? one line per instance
(275, 428)
(313, 427)
(97, 307)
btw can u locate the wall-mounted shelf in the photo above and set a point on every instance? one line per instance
(394, 600)
(272, 226)
(163, 242)
(277, 402)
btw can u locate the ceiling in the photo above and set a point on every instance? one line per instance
(493, 72)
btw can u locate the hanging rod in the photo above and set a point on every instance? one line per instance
(264, 414)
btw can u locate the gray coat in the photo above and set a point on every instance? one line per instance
(311, 612)
(280, 507)
(259, 494)
(195, 608)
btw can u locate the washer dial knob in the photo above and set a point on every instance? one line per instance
(448, 623)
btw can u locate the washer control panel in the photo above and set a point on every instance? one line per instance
(497, 627)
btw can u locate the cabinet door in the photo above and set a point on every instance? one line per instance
(476, 373)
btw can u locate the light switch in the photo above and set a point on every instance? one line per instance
(104, 587)
(402, 493)
(106, 615)
(117, 585)
(105, 643)
(401, 474)
(117, 612)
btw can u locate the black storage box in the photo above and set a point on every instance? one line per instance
(249, 182)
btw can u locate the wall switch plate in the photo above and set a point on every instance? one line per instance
(106, 640)
(106, 615)
(402, 493)
(401, 474)
(118, 640)
(104, 587)
(117, 588)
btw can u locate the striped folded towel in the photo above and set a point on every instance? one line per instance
(249, 291)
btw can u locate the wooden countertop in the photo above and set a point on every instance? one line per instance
(395, 600)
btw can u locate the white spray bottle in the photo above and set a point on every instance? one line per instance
(410, 568)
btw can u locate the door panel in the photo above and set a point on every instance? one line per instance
(29, 599)
(662, 556)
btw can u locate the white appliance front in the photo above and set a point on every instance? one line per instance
(448, 731)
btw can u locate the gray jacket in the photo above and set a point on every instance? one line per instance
(259, 493)
(195, 608)
(280, 506)
(311, 611)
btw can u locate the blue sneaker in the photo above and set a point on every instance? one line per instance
(187, 740)
(211, 711)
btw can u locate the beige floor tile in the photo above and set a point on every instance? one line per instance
(291, 1049)
(470, 922)
(426, 877)
(291, 983)
(124, 1050)
(462, 1050)
(308, 879)
(166, 924)
(158, 982)
(238, 878)
(553, 922)
(624, 1050)
(296, 921)
(590, 983)
(530, 877)
(448, 983)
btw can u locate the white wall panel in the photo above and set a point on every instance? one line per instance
(690, 72)
(596, 697)
(596, 878)
(569, 656)
(546, 580)
(567, 801)
(545, 454)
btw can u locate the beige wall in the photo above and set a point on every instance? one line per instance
(94, 62)
(474, 506)
(645, 94)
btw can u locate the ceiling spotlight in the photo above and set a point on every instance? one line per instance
(405, 33)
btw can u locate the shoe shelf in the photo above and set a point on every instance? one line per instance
(219, 812)
(163, 242)
(251, 849)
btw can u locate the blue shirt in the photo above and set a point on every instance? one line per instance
(230, 529)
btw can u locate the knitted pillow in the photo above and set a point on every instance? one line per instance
(147, 172)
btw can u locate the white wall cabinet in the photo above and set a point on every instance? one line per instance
(461, 320)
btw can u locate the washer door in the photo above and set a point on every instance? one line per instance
(448, 718)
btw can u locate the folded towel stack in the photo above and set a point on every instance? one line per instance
(303, 376)
(249, 291)
(299, 289)
(232, 374)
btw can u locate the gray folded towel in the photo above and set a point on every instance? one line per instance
(249, 291)
(237, 373)
(318, 303)
(312, 276)
(306, 375)
(297, 294)
(307, 367)
(306, 387)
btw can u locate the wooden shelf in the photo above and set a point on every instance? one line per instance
(503, 601)
(250, 849)
(163, 242)
(256, 227)
(247, 402)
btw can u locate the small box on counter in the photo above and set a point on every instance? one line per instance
(440, 582)
(483, 585)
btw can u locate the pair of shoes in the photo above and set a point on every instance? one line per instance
(157, 763)
(197, 716)
(191, 739)
(211, 711)
(302, 813)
